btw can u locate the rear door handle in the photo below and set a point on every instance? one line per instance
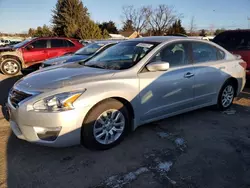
(188, 75)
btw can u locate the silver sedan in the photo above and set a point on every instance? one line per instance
(130, 84)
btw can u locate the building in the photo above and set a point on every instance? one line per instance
(130, 34)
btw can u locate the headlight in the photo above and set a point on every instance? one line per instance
(58, 62)
(58, 102)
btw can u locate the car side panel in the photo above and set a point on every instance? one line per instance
(165, 92)
(209, 78)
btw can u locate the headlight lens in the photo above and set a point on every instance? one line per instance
(58, 102)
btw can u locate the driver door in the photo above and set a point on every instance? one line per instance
(164, 93)
(37, 54)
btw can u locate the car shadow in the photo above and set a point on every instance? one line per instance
(6, 85)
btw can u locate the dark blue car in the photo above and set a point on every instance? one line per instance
(82, 54)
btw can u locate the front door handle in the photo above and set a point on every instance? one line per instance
(188, 75)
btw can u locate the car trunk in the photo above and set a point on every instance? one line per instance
(245, 55)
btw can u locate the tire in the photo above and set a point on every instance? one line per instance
(227, 93)
(10, 67)
(104, 128)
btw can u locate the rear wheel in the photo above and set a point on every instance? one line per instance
(226, 96)
(106, 125)
(10, 67)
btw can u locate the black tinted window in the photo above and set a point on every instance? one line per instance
(58, 43)
(69, 44)
(234, 40)
(203, 52)
(39, 44)
(175, 54)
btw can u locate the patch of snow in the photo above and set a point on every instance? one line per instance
(165, 166)
(230, 112)
(179, 141)
(119, 181)
(163, 134)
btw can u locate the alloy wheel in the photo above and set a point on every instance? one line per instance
(109, 126)
(227, 96)
(10, 67)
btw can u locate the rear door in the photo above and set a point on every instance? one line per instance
(208, 69)
(37, 54)
(59, 47)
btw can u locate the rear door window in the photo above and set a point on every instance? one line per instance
(203, 52)
(58, 43)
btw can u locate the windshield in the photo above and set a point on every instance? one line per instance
(121, 56)
(22, 43)
(89, 49)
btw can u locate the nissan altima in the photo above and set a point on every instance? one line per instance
(130, 84)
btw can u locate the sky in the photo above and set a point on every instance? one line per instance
(17, 16)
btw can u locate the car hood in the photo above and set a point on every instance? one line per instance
(61, 76)
(7, 48)
(75, 58)
(57, 59)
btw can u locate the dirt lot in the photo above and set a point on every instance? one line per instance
(204, 148)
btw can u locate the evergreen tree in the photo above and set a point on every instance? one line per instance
(31, 32)
(218, 31)
(203, 33)
(71, 19)
(44, 31)
(177, 28)
(68, 16)
(109, 26)
(90, 31)
(105, 34)
(128, 26)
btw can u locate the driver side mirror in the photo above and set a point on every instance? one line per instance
(29, 47)
(158, 66)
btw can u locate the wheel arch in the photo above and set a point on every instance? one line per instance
(12, 57)
(124, 101)
(234, 81)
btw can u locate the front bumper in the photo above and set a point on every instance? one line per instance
(26, 124)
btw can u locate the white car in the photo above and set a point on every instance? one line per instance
(4, 42)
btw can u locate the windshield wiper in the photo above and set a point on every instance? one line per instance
(95, 66)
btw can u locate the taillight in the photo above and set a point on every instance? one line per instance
(243, 64)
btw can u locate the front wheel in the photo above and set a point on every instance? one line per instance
(10, 67)
(226, 96)
(106, 125)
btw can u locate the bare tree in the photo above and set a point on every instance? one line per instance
(161, 18)
(192, 25)
(138, 17)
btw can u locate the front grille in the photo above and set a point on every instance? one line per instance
(17, 96)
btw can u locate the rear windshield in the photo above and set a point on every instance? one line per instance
(89, 49)
(234, 40)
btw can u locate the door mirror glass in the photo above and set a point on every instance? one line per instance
(29, 47)
(158, 66)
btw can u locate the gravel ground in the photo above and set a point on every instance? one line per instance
(200, 149)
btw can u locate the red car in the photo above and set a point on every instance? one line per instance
(237, 42)
(32, 52)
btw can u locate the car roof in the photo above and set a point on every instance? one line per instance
(237, 31)
(159, 39)
(54, 38)
(107, 41)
